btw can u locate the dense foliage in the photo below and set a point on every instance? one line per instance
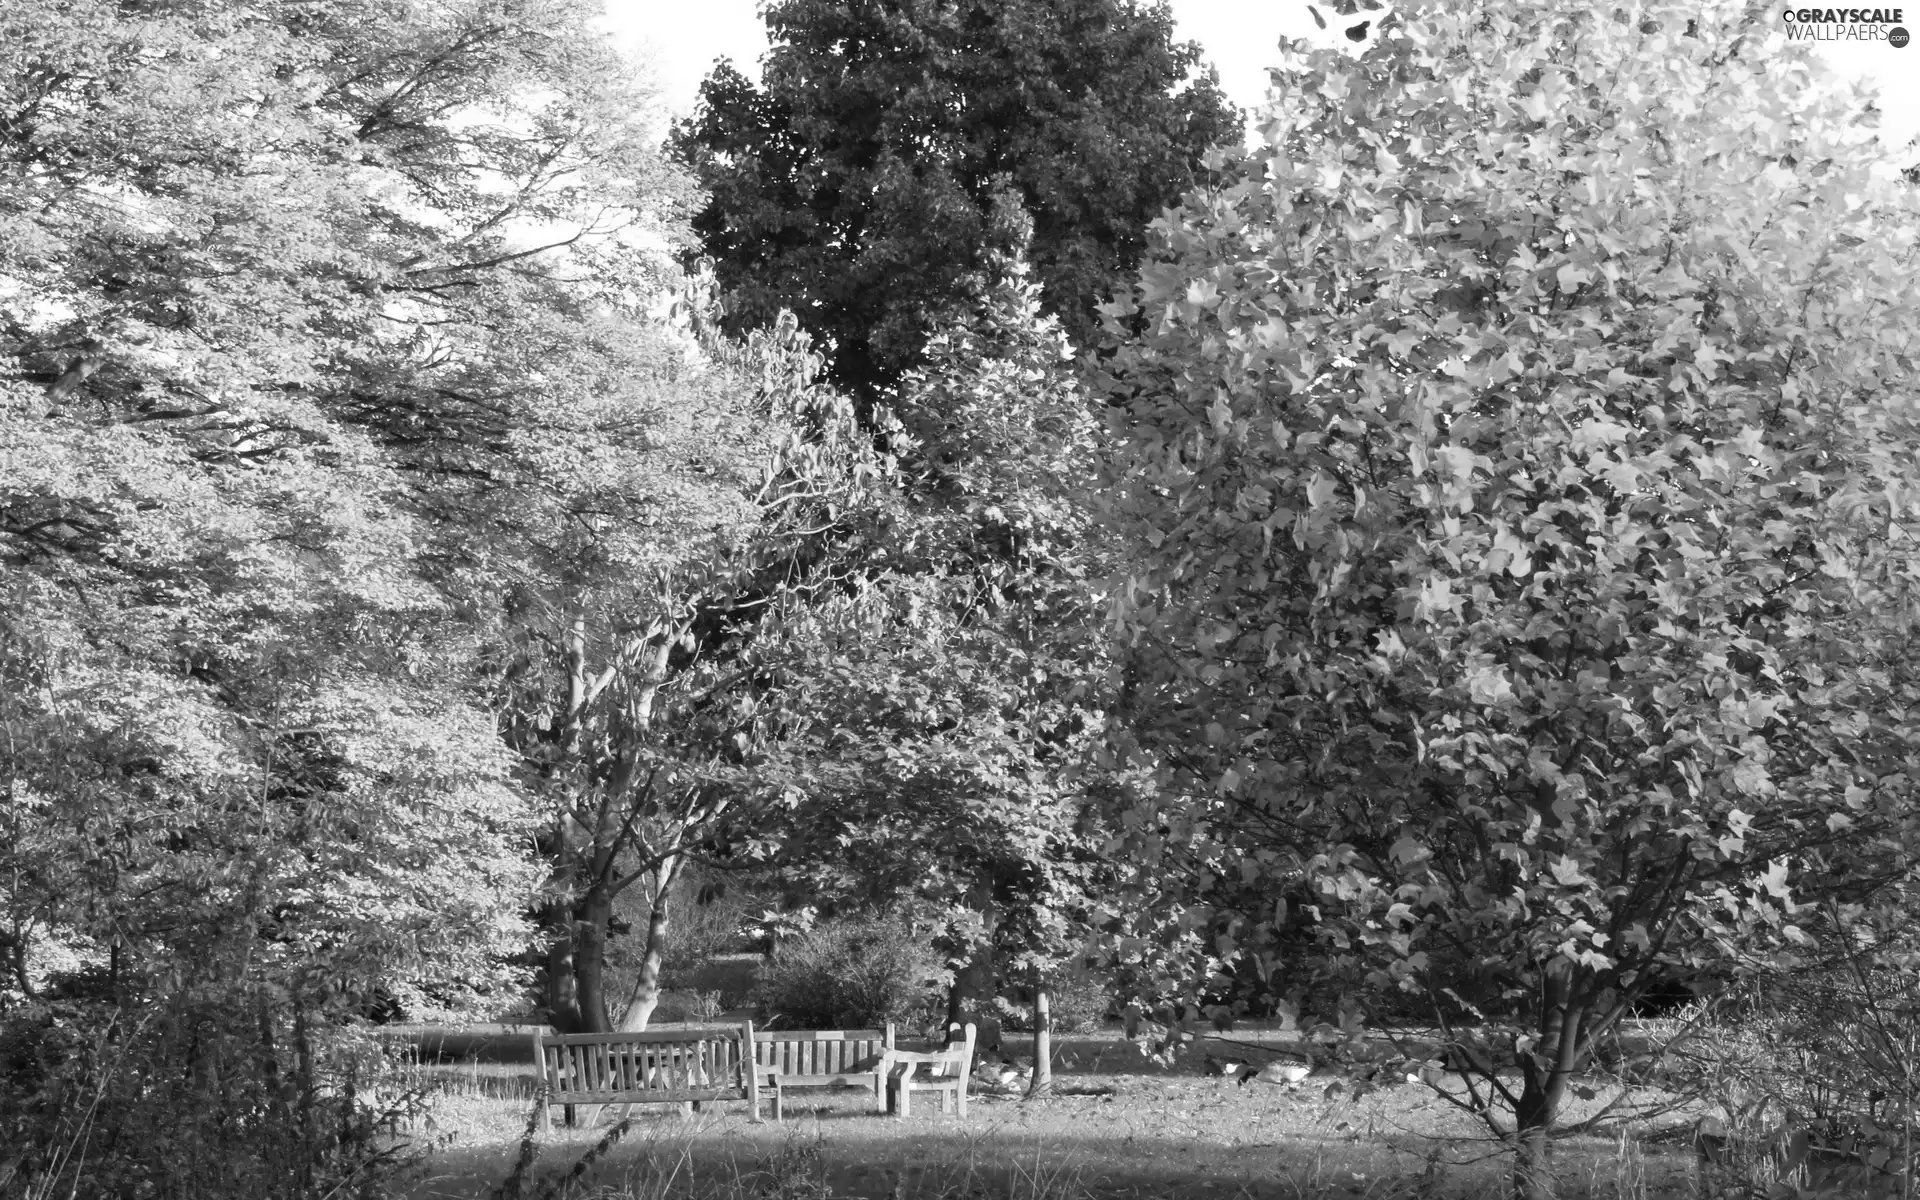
(891, 146)
(945, 714)
(1472, 579)
(855, 973)
(331, 369)
(1521, 471)
(263, 345)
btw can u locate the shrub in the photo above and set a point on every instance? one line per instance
(201, 1097)
(856, 972)
(1078, 1001)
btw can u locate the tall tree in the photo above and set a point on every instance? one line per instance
(946, 709)
(312, 319)
(631, 679)
(858, 183)
(279, 289)
(1522, 478)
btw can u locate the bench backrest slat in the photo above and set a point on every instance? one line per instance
(820, 1053)
(664, 1062)
(649, 1037)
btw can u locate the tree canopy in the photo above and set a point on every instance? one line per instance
(891, 145)
(1477, 544)
(943, 711)
(325, 334)
(1520, 471)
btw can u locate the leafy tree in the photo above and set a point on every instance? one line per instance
(274, 281)
(950, 703)
(632, 680)
(300, 307)
(1520, 475)
(859, 184)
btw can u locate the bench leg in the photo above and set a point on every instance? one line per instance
(546, 1115)
(779, 1103)
(569, 1116)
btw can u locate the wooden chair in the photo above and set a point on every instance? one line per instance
(946, 1072)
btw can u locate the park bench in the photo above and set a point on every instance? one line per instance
(650, 1067)
(787, 1059)
(946, 1073)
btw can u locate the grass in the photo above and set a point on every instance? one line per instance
(1124, 1128)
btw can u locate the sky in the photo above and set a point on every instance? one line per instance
(680, 40)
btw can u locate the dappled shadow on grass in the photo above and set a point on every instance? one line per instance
(1160, 1129)
(1155, 1137)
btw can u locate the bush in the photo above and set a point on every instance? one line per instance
(197, 1098)
(856, 972)
(1811, 1066)
(688, 1004)
(1078, 1001)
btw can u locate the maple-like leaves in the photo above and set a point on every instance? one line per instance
(321, 329)
(1521, 471)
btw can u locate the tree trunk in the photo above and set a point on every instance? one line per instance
(590, 960)
(563, 997)
(646, 987)
(1545, 1074)
(971, 999)
(1533, 1165)
(1042, 1084)
(564, 1011)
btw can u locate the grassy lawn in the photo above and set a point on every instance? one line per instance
(1122, 1127)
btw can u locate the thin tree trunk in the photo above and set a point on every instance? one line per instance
(1544, 1077)
(564, 1011)
(646, 987)
(1042, 1084)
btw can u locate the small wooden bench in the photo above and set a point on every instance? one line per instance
(811, 1058)
(946, 1073)
(651, 1067)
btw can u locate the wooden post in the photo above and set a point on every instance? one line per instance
(880, 1072)
(547, 1084)
(966, 1071)
(751, 1070)
(1042, 1082)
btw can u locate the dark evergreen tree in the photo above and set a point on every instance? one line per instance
(892, 144)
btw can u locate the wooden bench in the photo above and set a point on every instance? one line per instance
(784, 1059)
(946, 1073)
(651, 1067)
